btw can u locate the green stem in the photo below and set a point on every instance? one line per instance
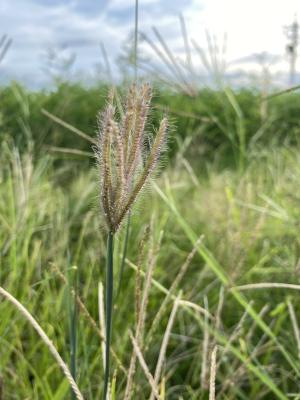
(124, 255)
(109, 307)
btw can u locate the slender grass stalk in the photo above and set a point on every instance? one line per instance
(109, 307)
(163, 348)
(267, 285)
(213, 371)
(205, 346)
(73, 311)
(144, 366)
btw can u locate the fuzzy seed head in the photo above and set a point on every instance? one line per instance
(124, 164)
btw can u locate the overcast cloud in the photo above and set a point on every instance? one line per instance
(77, 27)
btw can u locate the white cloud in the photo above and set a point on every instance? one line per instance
(252, 26)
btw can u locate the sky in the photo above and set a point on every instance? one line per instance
(46, 34)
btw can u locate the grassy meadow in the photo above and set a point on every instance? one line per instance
(222, 213)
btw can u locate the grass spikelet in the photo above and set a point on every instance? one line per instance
(140, 116)
(119, 151)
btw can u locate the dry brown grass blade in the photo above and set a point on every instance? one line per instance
(45, 339)
(213, 371)
(220, 308)
(205, 347)
(163, 348)
(144, 366)
(267, 285)
(65, 150)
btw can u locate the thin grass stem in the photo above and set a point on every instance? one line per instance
(73, 322)
(109, 308)
(213, 370)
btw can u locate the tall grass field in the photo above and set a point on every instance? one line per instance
(206, 295)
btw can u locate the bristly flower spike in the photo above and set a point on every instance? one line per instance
(125, 165)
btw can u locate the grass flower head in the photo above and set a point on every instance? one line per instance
(125, 163)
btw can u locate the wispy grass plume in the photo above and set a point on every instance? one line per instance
(124, 164)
